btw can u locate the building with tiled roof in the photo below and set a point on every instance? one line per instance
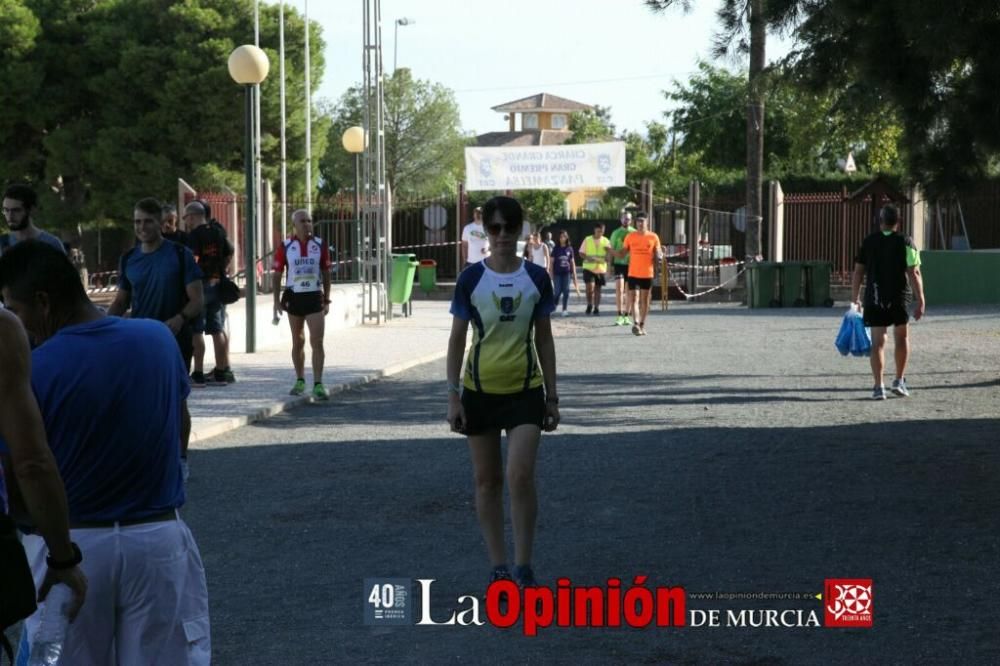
(538, 120)
(541, 120)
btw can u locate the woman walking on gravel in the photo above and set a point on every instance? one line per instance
(562, 268)
(509, 382)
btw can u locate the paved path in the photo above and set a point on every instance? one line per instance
(353, 356)
(726, 451)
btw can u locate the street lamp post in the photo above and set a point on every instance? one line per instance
(354, 143)
(248, 66)
(395, 39)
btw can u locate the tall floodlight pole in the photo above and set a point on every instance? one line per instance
(376, 212)
(384, 214)
(395, 39)
(258, 226)
(248, 66)
(284, 153)
(354, 141)
(308, 118)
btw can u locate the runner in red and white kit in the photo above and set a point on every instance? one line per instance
(306, 298)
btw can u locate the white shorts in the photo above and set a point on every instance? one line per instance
(147, 600)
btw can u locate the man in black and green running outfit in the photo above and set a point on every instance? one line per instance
(620, 265)
(888, 263)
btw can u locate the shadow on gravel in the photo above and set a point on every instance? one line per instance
(288, 532)
(736, 310)
(586, 396)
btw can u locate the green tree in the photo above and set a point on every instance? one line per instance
(935, 64)
(542, 207)
(424, 143)
(711, 115)
(114, 100)
(808, 130)
(591, 126)
(743, 29)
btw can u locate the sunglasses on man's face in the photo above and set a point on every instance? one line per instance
(494, 229)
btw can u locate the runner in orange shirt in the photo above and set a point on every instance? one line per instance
(643, 248)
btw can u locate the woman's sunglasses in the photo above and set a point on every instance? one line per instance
(494, 229)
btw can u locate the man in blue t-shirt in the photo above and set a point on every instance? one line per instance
(111, 393)
(160, 280)
(19, 201)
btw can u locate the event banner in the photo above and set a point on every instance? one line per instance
(573, 167)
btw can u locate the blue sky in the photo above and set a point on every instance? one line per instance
(610, 52)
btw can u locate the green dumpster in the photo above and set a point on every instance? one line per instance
(762, 283)
(792, 283)
(818, 275)
(404, 268)
(427, 273)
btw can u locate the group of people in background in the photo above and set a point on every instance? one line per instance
(633, 263)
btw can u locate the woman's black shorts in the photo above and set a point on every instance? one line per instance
(302, 304)
(486, 412)
(639, 283)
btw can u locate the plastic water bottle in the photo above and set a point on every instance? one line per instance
(48, 643)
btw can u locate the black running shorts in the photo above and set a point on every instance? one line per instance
(590, 276)
(488, 412)
(894, 315)
(639, 283)
(621, 270)
(302, 304)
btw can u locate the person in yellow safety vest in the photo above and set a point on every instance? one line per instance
(595, 253)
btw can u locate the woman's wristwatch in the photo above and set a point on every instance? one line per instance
(66, 564)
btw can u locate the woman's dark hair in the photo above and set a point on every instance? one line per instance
(33, 266)
(563, 232)
(508, 207)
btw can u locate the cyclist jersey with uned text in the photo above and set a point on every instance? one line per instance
(502, 308)
(305, 261)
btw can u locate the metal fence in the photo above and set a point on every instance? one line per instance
(427, 228)
(970, 220)
(828, 226)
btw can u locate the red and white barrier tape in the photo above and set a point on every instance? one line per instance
(708, 291)
(414, 247)
(707, 268)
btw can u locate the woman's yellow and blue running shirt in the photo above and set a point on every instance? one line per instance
(502, 308)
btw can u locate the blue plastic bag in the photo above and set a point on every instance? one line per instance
(853, 338)
(861, 341)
